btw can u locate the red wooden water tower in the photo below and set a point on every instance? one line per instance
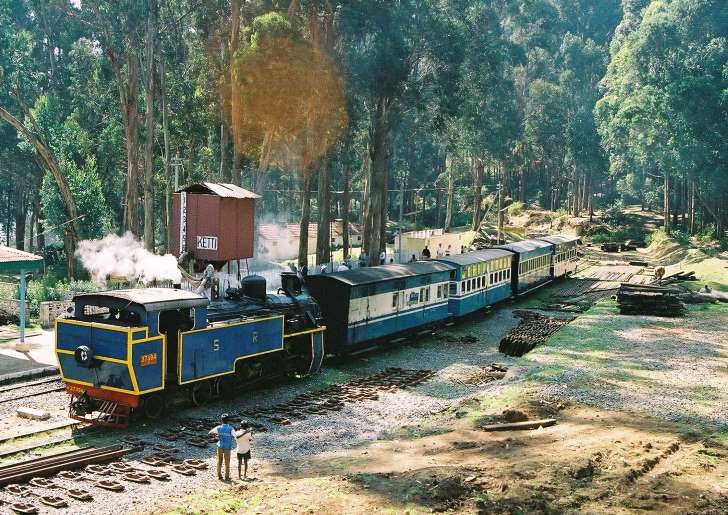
(213, 223)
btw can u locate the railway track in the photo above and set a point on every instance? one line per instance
(29, 395)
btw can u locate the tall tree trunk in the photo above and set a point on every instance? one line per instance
(224, 164)
(379, 153)
(38, 211)
(666, 202)
(477, 168)
(691, 215)
(129, 100)
(235, 113)
(305, 216)
(149, 94)
(20, 212)
(323, 200)
(438, 209)
(450, 193)
(71, 228)
(345, 206)
(167, 167)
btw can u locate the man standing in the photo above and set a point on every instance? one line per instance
(426, 253)
(440, 252)
(382, 257)
(225, 439)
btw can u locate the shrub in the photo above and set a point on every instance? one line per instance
(516, 208)
(601, 238)
(614, 214)
(680, 236)
(656, 237)
(707, 235)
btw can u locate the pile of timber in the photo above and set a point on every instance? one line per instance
(641, 299)
(610, 246)
(533, 330)
(677, 277)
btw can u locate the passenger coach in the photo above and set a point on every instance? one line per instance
(478, 279)
(564, 254)
(366, 304)
(531, 265)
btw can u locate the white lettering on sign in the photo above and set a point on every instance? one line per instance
(183, 222)
(207, 242)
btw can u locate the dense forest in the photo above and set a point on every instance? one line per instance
(372, 111)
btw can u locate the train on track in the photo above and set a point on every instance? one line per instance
(126, 351)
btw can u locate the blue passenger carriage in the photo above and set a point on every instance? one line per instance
(531, 265)
(478, 279)
(367, 304)
(564, 254)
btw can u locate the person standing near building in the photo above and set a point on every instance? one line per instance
(426, 253)
(225, 441)
(244, 437)
(382, 257)
(440, 252)
(363, 258)
(449, 250)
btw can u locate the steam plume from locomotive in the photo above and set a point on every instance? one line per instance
(125, 256)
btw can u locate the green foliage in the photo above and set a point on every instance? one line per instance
(680, 236)
(86, 188)
(614, 214)
(47, 289)
(516, 208)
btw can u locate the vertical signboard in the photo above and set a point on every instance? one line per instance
(183, 222)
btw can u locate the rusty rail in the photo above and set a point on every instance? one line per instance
(49, 465)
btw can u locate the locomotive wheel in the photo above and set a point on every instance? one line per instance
(225, 386)
(153, 406)
(201, 393)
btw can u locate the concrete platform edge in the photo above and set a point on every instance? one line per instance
(27, 375)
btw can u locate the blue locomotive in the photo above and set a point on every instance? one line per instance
(139, 349)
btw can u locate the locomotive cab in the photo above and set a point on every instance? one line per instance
(113, 352)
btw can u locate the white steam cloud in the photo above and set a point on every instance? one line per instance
(125, 256)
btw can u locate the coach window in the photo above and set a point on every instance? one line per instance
(395, 298)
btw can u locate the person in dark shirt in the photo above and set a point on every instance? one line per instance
(426, 253)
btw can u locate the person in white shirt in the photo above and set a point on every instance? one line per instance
(342, 268)
(244, 437)
(440, 252)
(382, 257)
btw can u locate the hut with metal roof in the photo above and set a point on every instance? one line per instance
(17, 261)
(213, 223)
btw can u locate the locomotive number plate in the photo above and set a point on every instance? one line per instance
(147, 360)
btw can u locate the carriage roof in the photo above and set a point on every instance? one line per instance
(380, 273)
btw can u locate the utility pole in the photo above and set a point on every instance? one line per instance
(401, 217)
(500, 211)
(177, 163)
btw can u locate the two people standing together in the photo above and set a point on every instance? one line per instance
(229, 438)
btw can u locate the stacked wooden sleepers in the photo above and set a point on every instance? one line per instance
(639, 299)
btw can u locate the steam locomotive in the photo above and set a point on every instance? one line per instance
(141, 349)
(138, 350)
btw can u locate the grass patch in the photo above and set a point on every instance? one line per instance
(414, 432)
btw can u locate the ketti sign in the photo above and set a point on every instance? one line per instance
(207, 242)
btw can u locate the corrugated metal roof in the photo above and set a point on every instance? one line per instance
(374, 274)
(559, 238)
(14, 259)
(477, 256)
(221, 190)
(525, 245)
(153, 299)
